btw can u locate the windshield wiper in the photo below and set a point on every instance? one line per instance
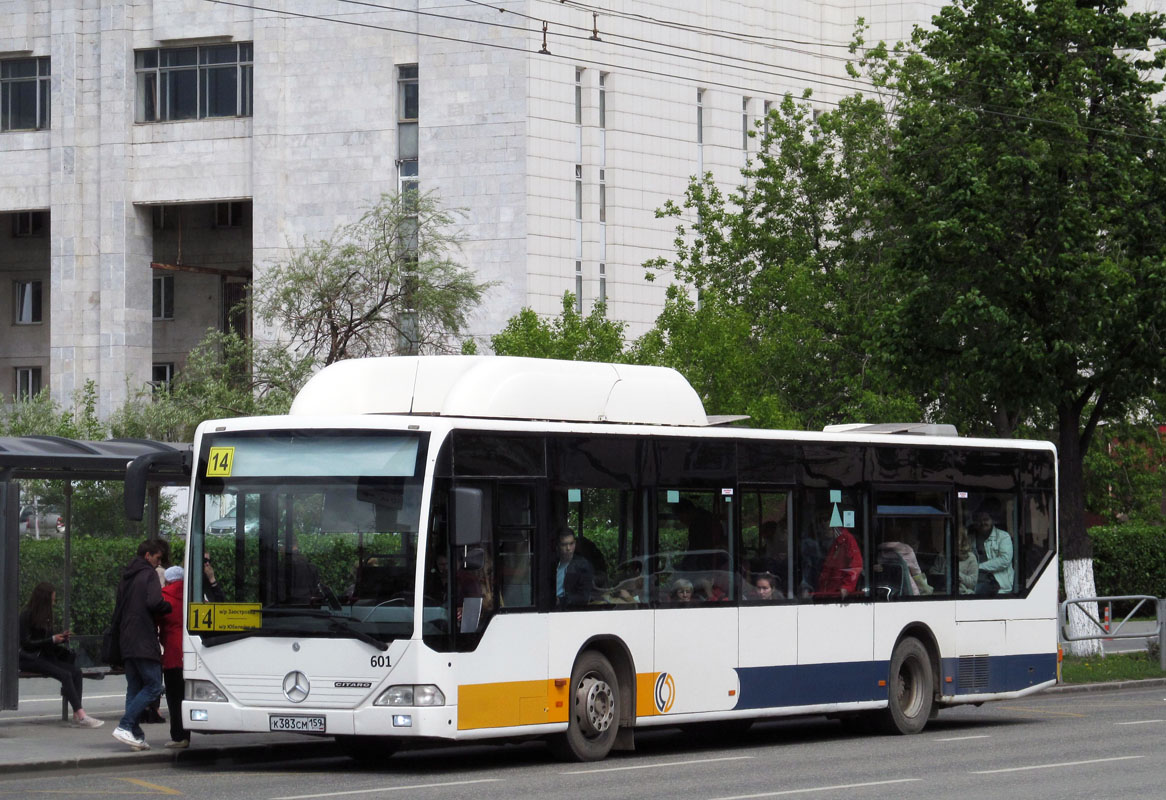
(340, 625)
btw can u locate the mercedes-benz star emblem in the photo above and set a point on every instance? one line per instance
(296, 686)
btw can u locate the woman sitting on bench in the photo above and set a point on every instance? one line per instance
(46, 653)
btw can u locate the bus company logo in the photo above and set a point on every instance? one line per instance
(353, 684)
(665, 692)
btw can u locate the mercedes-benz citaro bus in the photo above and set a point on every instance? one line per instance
(468, 548)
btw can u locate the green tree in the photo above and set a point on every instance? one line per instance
(788, 274)
(570, 336)
(384, 285)
(1025, 222)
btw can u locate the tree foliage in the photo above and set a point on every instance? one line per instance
(788, 274)
(570, 336)
(1025, 220)
(386, 284)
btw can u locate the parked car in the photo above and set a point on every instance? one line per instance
(225, 526)
(41, 521)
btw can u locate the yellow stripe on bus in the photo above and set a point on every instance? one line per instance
(504, 705)
(513, 703)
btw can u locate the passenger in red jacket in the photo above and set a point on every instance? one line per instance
(170, 635)
(842, 566)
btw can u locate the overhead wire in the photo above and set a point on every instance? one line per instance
(980, 108)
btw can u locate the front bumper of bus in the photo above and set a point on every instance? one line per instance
(404, 721)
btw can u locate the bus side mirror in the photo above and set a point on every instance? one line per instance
(469, 519)
(138, 473)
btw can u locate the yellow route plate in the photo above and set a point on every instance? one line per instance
(219, 462)
(224, 617)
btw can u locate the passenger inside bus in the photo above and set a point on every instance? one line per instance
(682, 591)
(993, 548)
(765, 587)
(969, 566)
(574, 576)
(841, 567)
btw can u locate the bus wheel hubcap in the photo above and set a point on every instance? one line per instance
(597, 703)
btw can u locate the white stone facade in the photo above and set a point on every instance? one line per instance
(498, 138)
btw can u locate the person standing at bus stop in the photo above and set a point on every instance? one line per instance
(140, 600)
(170, 634)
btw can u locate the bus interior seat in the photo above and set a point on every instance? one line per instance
(890, 579)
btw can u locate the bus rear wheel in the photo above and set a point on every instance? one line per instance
(595, 709)
(371, 751)
(910, 690)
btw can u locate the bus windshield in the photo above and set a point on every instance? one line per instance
(306, 534)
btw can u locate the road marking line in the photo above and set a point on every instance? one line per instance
(1041, 711)
(1140, 722)
(818, 789)
(654, 766)
(387, 789)
(155, 787)
(964, 738)
(1054, 766)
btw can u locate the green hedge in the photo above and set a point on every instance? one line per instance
(98, 563)
(1129, 559)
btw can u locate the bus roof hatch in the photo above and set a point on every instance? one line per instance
(503, 387)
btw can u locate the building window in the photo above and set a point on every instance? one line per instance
(768, 108)
(27, 224)
(578, 191)
(24, 94)
(579, 287)
(603, 283)
(603, 100)
(163, 297)
(603, 195)
(700, 116)
(28, 383)
(408, 107)
(230, 215)
(176, 83)
(161, 374)
(744, 123)
(578, 97)
(26, 300)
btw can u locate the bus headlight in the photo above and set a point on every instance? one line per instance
(204, 692)
(411, 695)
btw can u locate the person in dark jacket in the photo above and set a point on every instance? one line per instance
(574, 577)
(140, 597)
(46, 653)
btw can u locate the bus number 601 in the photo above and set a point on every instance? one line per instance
(379, 661)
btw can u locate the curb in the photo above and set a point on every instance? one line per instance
(238, 754)
(1111, 686)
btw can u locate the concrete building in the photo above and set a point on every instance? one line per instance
(155, 155)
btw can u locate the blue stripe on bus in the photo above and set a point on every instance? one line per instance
(858, 681)
(811, 684)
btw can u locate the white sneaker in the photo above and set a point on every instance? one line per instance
(87, 722)
(140, 744)
(126, 737)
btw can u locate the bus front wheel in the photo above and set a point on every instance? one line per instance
(911, 688)
(594, 716)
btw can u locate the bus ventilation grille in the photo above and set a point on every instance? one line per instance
(973, 672)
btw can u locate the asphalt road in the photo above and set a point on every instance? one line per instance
(1062, 746)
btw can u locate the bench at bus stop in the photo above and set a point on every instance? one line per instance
(89, 669)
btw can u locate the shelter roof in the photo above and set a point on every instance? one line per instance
(58, 458)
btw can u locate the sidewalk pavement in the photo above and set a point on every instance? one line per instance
(35, 738)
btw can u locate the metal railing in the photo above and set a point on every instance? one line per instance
(1103, 620)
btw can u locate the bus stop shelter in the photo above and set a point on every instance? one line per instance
(145, 466)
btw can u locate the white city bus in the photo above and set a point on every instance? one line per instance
(398, 569)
